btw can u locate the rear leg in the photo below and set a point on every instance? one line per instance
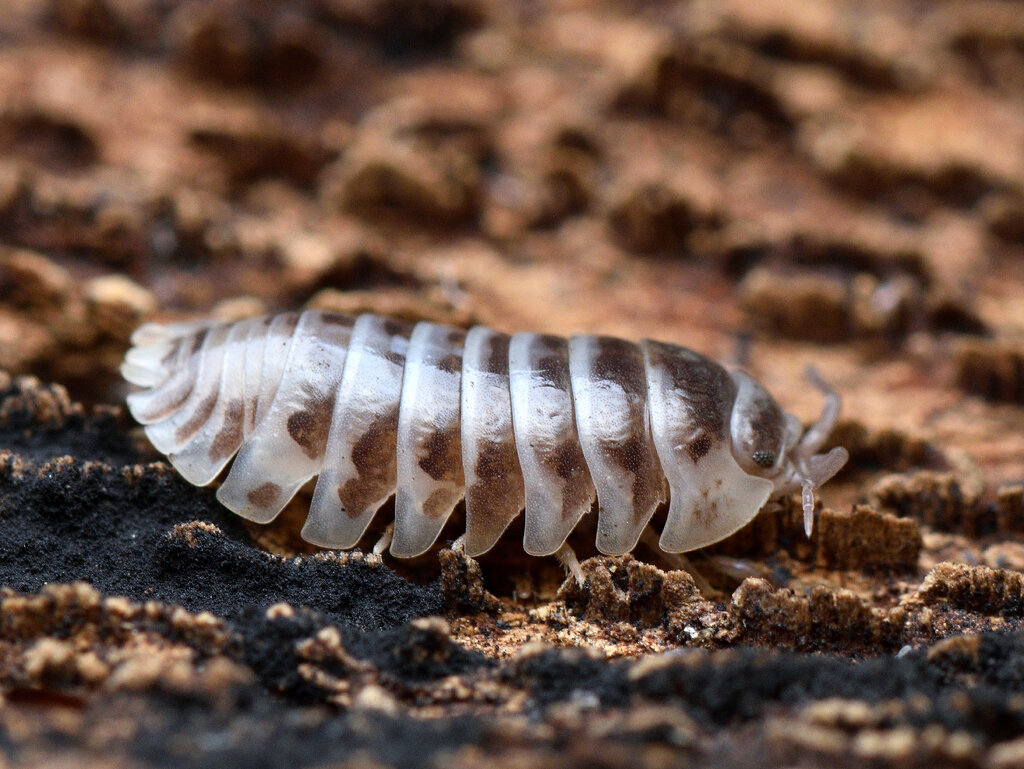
(567, 557)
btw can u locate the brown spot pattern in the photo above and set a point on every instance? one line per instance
(289, 321)
(495, 460)
(309, 427)
(698, 447)
(442, 457)
(702, 385)
(198, 418)
(621, 362)
(336, 319)
(393, 327)
(197, 340)
(497, 354)
(634, 456)
(450, 363)
(264, 495)
(250, 414)
(438, 504)
(568, 462)
(554, 370)
(170, 399)
(549, 357)
(229, 437)
(631, 454)
(374, 458)
(706, 515)
(498, 480)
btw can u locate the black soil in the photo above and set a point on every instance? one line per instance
(66, 522)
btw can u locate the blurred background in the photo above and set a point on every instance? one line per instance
(776, 182)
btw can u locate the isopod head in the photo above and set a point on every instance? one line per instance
(772, 444)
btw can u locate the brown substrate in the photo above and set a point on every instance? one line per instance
(779, 184)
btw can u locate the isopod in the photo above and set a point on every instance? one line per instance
(433, 415)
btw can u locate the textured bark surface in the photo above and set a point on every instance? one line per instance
(789, 183)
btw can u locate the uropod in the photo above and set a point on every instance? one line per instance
(432, 415)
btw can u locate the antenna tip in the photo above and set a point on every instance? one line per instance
(807, 497)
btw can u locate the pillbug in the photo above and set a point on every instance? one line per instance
(433, 415)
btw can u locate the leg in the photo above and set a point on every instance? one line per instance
(385, 540)
(567, 557)
(738, 569)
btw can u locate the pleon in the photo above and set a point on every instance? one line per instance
(429, 462)
(160, 402)
(559, 490)
(287, 446)
(609, 388)
(490, 462)
(358, 474)
(172, 433)
(210, 449)
(690, 401)
(150, 365)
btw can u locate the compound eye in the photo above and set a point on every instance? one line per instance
(764, 458)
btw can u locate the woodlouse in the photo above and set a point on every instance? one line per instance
(433, 415)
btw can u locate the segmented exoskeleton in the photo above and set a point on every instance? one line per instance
(432, 415)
